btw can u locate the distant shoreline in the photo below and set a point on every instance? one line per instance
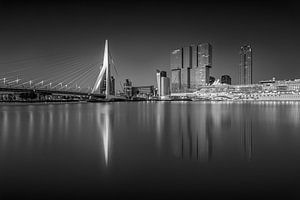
(79, 102)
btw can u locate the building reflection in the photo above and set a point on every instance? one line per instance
(205, 135)
(4, 128)
(192, 131)
(30, 128)
(246, 136)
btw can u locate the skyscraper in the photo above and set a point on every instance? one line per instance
(158, 77)
(187, 64)
(201, 64)
(194, 50)
(185, 79)
(176, 63)
(163, 83)
(176, 60)
(187, 57)
(245, 67)
(204, 55)
(192, 69)
(165, 86)
(176, 80)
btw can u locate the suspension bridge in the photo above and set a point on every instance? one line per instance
(74, 81)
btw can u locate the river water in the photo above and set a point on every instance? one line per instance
(150, 149)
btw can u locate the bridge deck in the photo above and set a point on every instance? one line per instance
(50, 92)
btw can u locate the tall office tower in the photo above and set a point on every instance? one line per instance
(192, 69)
(158, 82)
(176, 80)
(245, 68)
(165, 86)
(194, 50)
(201, 76)
(185, 72)
(226, 79)
(159, 76)
(176, 63)
(176, 60)
(185, 79)
(187, 57)
(192, 78)
(204, 56)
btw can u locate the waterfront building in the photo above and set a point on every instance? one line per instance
(193, 78)
(176, 80)
(162, 80)
(211, 80)
(185, 79)
(226, 79)
(165, 86)
(204, 63)
(187, 57)
(201, 76)
(143, 91)
(192, 69)
(127, 88)
(194, 49)
(176, 61)
(245, 67)
(204, 55)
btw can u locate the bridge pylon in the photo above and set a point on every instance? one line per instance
(104, 70)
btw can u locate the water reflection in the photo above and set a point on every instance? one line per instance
(30, 128)
(189, 131)
(247, 138)
(192, 132)
(4, 128)
(104, 128)
(195, 134)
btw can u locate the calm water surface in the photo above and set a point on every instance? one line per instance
(155, 150)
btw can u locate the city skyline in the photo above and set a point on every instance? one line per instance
(141, 40)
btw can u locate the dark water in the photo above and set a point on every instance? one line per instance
(155, 150)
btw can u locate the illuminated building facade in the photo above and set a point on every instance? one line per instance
(192, 69)
(245, 67)
(163, 83)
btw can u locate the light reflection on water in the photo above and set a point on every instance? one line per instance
(104, 129)
(142, 139)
